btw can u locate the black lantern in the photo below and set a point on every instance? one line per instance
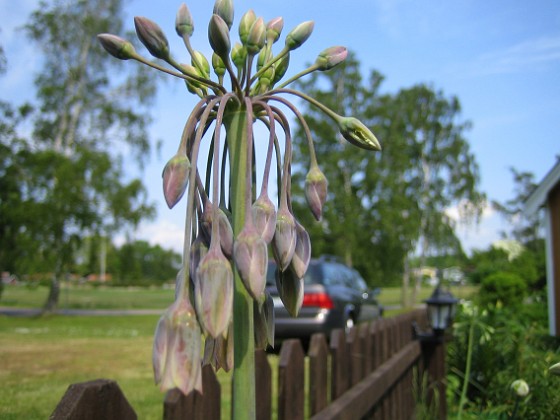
(441, 309)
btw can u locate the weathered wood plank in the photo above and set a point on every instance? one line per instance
(339, 364)
(318, 373)
(97, 399)
(291, 389)
(357, 401)
(263, 386)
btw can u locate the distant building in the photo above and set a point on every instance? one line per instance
(547, 196)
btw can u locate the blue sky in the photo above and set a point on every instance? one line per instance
(501, 59)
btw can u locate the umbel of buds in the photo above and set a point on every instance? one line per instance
(220, 292)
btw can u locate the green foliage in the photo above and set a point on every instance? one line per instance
(502, 288)
(508, 344)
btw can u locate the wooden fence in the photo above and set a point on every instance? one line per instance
(372, 372)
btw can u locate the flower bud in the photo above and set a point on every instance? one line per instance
(274, 29)
(520, 388)
(218, 36)
(176, 350)
(299, 35)
(358, 134)
(218, 351)
(331, 57)
(153, 38)
(555, 369)
(251, 259)
(224, 9)
(245, 24)
(290, 289)
(316, 191)
(238, 55)
(193, 86)
(218, 65)
(264, 57)
(302, 253)
(284, 240)
(264, 216)
(226, 233)
(198, 251)
(175, 178)
(280, 68)
(116, 46)
(257, 37)
(205, 70)
(213, 293)
(263, 318)
(184, 24)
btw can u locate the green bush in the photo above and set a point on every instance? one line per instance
(507, 289)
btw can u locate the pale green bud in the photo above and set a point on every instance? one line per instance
(153, 38)
(280, 68)
(299, 35)
(116, 46)
(203, 62)
(331, 57)
(358, 134)
(520, 388)
(263, 318)
(264, 57)
(218, 65)
(184, 24)
(218, 36)
(302, 253)
(245, 24)
(290, 289)
(257, 37)
(224, 9)
(316, 191)
(251, 260)
(274, 29)
(264, 217)
(238, 54)
(175, 178)
(284, 240)
(555, 369)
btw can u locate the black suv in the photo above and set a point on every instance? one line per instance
(335, 296)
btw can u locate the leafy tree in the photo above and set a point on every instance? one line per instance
(387, 203)
(73, 187)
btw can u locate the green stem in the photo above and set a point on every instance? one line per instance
(235, 121)
(466, 380)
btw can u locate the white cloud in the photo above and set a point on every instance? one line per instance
(161, 232)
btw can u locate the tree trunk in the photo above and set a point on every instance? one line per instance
(406, 283)
(54, 293)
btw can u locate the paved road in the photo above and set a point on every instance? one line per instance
(29, 312)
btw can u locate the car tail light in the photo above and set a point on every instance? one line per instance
(321, 300)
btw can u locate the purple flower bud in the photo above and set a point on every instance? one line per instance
(316, 191)
(152, 37)
(299, 35)
(175, 178)
(264, 216)
(290, 289)
(218, 352)
(116, 46)
(302, 253)
(251, 259)
(198, 251)
(257, 37)
(213, 293)
(284, 240)
(245, 24)
(226, 231)
(224, 9)
(184, 24)
(218, 35)
(331, 57)
(263, 318)
(358, 134)
(176, 350)
(274, 29)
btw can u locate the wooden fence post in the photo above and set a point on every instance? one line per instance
(98, 399)
(318, 373)
(291, 389)
(339, 363)
(263, 386)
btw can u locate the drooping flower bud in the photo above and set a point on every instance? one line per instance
(284, 240)
(201, 59)
(358, 134)
(175, 178)
(263, 317)
(218, 65)
(213, 293)
(218, 36)
(198, 251)
(245, 24)
(280, 68)
(226, 233)
(184, 24)
(290, 289)
(257, 37)
(176, 350)
(116, 46)
(299, 35)
(520, 388)
(218, 352)
(331, 57)
(251, 259)
(316, 191)
(153, 38)
(302, 253)
(238, 55)
(274, 29)
(264, 216)
(224, 9)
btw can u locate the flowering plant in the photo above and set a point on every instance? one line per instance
(220, 292)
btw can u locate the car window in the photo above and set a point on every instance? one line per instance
(313, 274)
(332, 275)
